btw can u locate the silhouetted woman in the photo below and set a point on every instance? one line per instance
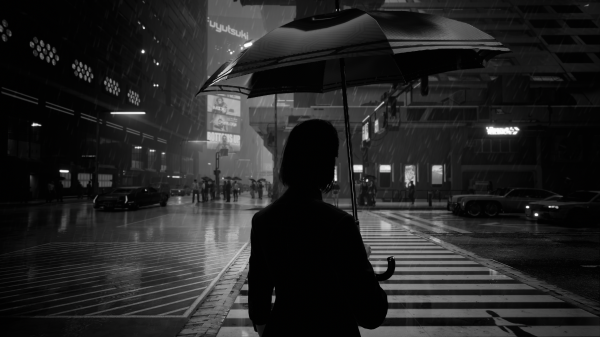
(309, 251)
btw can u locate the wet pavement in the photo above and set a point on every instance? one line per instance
(67, 269)
(70, 269)
(436, 292)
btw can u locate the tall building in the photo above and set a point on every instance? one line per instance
(66, 65)
(547, 88)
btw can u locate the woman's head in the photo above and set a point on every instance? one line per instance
(309, 155)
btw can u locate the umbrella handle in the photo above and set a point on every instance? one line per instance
(391, 267)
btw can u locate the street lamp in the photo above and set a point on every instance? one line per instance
(95, 182)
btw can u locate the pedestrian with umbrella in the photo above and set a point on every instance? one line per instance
(259, 187)
(252, 188)
(345, 49)
(284, 244)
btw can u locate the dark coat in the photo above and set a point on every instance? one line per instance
(312, 254)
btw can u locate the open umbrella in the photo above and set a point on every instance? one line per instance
(252, 179)
(262, 179)
(227, 178)
(353, 48)
(236, 178)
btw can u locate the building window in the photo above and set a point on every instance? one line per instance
(492, 145)
(175, 163)
(136, 158)
(163, 162)
(151, 158)
(410, 174)
(437, 174)
(385, 175)
(23, 139)
(105, 180)
(358, 169)
(66, 182)
(84, 178)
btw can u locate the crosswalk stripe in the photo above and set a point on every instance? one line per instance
(436, 292)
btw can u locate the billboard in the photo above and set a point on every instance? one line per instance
(223, 123)
(220, 140)
(224, 104)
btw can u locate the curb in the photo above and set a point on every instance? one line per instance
(581, 302)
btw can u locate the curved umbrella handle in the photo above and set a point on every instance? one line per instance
(389, 272)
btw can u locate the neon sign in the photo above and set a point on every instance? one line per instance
(220, 28)
(509, 130)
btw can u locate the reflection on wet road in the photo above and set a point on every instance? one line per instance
(64, 261)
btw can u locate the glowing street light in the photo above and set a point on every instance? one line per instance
(127, 112)
(248, 44)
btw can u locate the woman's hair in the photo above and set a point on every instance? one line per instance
(309, 155)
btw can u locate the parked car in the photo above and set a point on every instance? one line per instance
(181, 191)
(576, 208)
(491, 205)
(131, 198)
(453, 200)
(532, 208)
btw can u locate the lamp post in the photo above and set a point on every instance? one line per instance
(95, 183)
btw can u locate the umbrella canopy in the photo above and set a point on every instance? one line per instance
(252, 179)
(236, 178)
(206, 178)
(377, 47)
(262, 179)
(227, 178)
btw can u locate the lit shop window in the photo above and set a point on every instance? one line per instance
(6, 33)
(163, 162)
(136, 157)
(133, 97)
(82, 71)
(44, 51)
(385, 175)
(105, 180)
(410, 174)
(437, 174)
(65, 179)
(358, 169)
(151, 158)
(111, 86)
(84, 178)
(335, 176)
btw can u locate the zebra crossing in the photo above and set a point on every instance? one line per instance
(436, 292)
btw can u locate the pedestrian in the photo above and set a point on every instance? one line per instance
(89, 189)
(50, 191)
(286, 254)
(59, 188)
(235, 191)
(211, 190)
(411, 192)
(228, 190)
(252, 189)
(196, 192)
(336, 193)
(260, 190)
(204, 191)
(372, 193)
(364, 193)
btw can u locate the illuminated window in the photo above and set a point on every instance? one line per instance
(104, 180)
(136, 157)
(84, 178)
(437, 174)
(385, 175)
(151, 158)
(358, 169)
(410, 174)
(82, 71)
(44, 51)
(6, 33)
(163, 162)
(133, 97)
(335, 176)
(66, 182)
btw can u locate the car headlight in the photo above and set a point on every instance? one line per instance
(553, 207)
(96, 197)
(527, 206)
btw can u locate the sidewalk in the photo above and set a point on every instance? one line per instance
(420, 204)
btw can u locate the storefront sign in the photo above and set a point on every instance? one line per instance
(509, 130)
(219, 27)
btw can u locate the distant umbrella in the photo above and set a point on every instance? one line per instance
(262, 179)
(252, 179)
(236, 178)
(227, 178)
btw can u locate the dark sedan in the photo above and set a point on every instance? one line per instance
(131, 197)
